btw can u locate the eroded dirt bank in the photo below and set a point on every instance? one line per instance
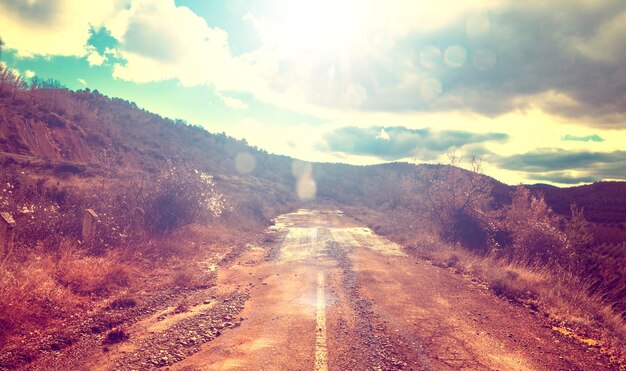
(330, 294)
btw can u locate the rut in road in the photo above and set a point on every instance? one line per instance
(371, 332)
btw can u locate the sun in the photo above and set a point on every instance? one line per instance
(321, 27)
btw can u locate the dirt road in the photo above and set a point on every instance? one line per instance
(330, 294)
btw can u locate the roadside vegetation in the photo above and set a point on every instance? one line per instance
(510, 241)
(169, 200)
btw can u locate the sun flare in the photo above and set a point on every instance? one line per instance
(321, 27)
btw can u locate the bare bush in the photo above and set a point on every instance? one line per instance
(458, 202)
(179, 197)
(43, 215)
(11, 83)
(535, 231)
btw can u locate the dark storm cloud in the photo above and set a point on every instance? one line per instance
(534, 49)
(556, 162)
(34, 12)
(393, 143)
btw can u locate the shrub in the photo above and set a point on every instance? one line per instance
(179, 197)
(116, 336)
(43, 215)
(457, 201)
(535, 231)
(122, 303)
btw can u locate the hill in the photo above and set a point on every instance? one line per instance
(603, 202)
(84, 133)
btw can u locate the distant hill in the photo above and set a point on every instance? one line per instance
(603, 202)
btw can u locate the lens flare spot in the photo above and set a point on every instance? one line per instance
(484, 59)
(455, 56)
(477, 25)
(245, 163)
(301, 168)
(430, 56)
(306, 188)
(356, 95)
(430, 89)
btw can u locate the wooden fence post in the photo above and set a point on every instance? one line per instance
(90, 221)
(7, 233)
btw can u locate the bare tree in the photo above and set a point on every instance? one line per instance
(457, 201)
(11, 82)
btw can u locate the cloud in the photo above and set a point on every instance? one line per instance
(489, 57)
(94, 58)
(556, 162)
(231, 102)
(54, 27)
(605, 43)
(588, 138)
(383, 135)
(394, 143)
(514, 56)
(82, 81)
(35, 12)
(161, 41)
(29, 74)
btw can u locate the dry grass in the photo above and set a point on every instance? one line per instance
(92, 275)
(42, 287)
(559, 294)
(29, 294)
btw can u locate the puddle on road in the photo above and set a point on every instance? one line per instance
(309, 231)
(365, 237)
(304, 243)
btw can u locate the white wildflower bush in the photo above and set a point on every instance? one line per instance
(210, 199)
(134, 212)
(179, 197)
(43, 217)
(130, 212)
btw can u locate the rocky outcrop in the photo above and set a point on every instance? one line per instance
(50, 137)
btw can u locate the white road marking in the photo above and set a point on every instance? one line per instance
(321, 362)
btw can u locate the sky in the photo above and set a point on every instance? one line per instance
(535, 89)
